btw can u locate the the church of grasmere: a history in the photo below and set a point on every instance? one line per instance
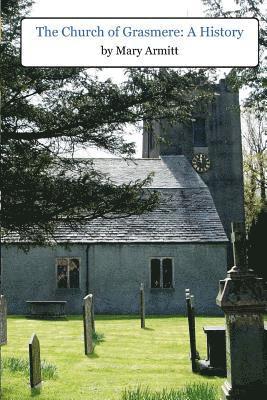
(183, 243)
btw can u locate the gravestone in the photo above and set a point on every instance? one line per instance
(3, 323)
(242, 299)
(214, 365)
(3, 328)
(192, 329)
(88, 324)
(93, 314)
(142, 306)
(35, 362)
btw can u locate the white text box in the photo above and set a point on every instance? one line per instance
(137, 42)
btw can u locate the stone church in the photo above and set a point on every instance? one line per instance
(183, 243)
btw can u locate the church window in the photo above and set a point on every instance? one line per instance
(155, 273)
(161, 270)
(199, 132)
(68, 272)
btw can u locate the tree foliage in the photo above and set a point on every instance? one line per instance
(48, 112)
(255, 163)
(255, 104)
(253, 79)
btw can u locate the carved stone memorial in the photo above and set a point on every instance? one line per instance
(241, 298)
(35, 362)
(88, 324)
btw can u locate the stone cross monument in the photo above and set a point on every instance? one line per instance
(241, 298)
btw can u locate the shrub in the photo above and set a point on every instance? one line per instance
(98, 337)
(190, 392)
(20, 365)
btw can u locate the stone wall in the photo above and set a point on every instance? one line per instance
(115, 274)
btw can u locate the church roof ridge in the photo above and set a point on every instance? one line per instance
(130, 158)
(167, 171)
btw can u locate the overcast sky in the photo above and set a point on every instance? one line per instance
(119, 8)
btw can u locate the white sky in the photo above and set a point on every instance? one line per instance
(122, 8)
(119, 8)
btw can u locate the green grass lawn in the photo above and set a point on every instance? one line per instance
(157, 357)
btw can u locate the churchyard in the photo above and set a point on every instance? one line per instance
(127, 357)
(140, 358)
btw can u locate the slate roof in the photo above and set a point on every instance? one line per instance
(169, 171)
(186, 212)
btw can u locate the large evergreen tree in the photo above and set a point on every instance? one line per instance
(50, 111)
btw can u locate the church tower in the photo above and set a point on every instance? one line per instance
(212, 144)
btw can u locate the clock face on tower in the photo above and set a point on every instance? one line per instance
(201, 162)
